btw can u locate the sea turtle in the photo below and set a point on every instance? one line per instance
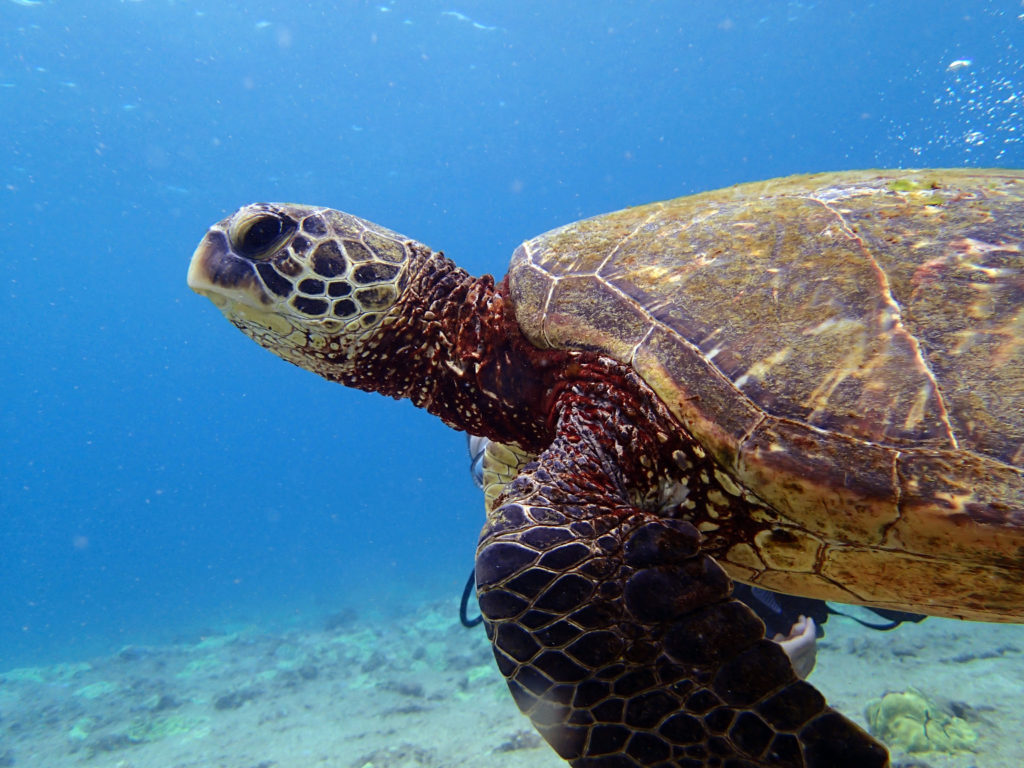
(814, 385)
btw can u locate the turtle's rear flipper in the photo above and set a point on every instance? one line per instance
(619, 639)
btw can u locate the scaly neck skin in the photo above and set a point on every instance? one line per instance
(452, 346)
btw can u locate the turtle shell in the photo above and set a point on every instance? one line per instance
(849, 347)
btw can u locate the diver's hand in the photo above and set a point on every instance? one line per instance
(801, 645)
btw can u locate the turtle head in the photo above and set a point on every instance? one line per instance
(368, 308)
(309, 284)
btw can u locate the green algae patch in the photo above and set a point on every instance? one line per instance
(95, 690)
(904, 185)
(482, 681)
(917, 191)
(148, 729)
(361, 682)
(81, 729)
(914, 723)
(482, 672)
(909, 185)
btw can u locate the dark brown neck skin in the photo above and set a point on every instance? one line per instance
(452, 346)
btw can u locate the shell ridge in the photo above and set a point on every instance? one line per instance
(746, 438)
(897, 318)
(612, 253)
(646, 336)
(897, 488)
(529, 248)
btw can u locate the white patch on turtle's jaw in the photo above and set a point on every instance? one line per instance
(242, 314)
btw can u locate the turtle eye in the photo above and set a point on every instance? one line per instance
(257, 236)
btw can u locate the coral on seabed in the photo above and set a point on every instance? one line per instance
(914, 723)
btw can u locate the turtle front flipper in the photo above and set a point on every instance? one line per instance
(617, 634)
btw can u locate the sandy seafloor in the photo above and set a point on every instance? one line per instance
(422, 691)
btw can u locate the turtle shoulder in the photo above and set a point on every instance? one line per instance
(816, 329)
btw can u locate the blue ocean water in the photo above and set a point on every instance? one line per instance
(160, 474)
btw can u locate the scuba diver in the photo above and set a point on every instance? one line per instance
(794, 622)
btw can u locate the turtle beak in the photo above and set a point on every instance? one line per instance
(223, 276)
(199, 275)
(231, 283)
